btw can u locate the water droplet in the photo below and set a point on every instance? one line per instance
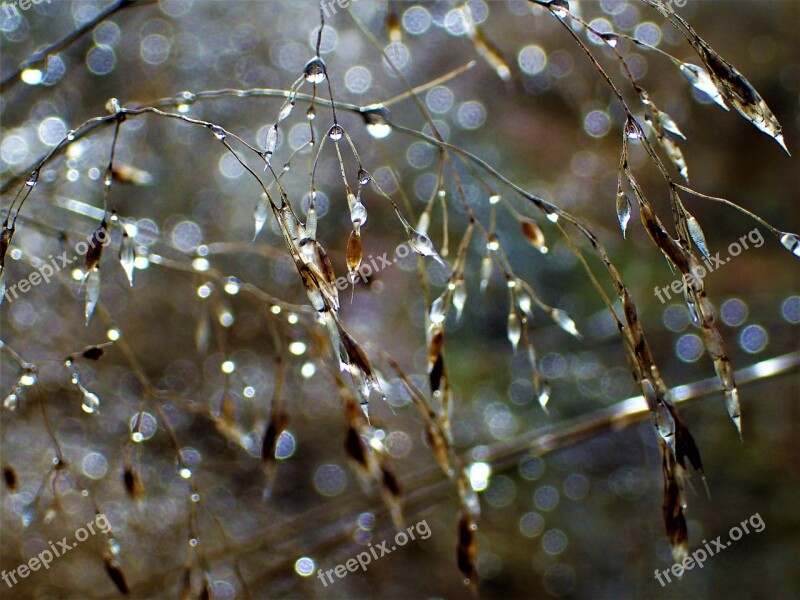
(514, 329)
(286, 111)
(112, 106)
(459, 297)
(31, 76)
(311, 113)
(92, 293)
(260, 214)
(564, 321)
(28, 378)
(184, 472)
(228, 367)
(791, 242)
(232, 285)
(336, 133)
(363, 177)
(127, 256)
(358, 214)
(314, 71)
(11, 402)
(185, 100)
(218, 132)
(91, 403)
(437, 314)
(610, 38)
(32, 178)
(297, 348)
(494, 198)
(559, 8)
(632, 130)
(422, 245)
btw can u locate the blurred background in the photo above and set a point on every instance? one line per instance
(560, 519)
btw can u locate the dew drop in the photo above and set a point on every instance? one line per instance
(791, 242)
(336, 133)
(31, 76)
(314, 71)
(286, 111)
(11, 402)
(358, 214)
(91, 403)
(232, 285)
(218, 132)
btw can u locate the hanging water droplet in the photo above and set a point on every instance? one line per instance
(29, 377)
(113, 106)
(486, 271)
(184, 472)
(127, 255)
(311, 113)
(184, 101)
(336, 133)
(113, 546)
(363, 177)
(564, 321)
(11, 402)
(260, 214)
(28, 514)
(218, 132)
(494, 198)
(272, 142)
(632, 130)
(314, 71)
(91, 403)
(610, 38)
(232, 285)
(32, 178)
(459, 297)
(31, 76)
(492, 244)
(92, 293)
(791, 241)
(422, 245)
(552, 217)
(437, 314)
(559, 7)
(514, 329)
(358, 214)
(377, 121)
(544, 396)
(286, 111)
(524, 302)
(71, 135)
(623, 211)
